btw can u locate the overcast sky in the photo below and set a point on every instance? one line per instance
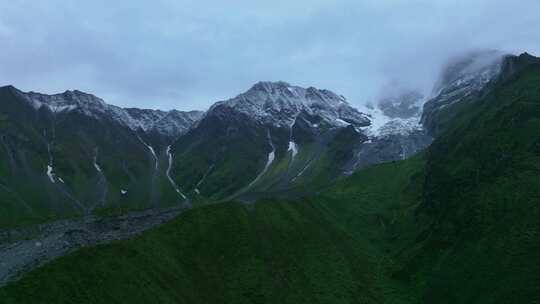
(188, 54)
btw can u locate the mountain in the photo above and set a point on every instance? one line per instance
(80, 155)
(165, 123)
(466, 79)
(273, 137)
(462, 79)
(278, 104)
(457, 223)
(71, 154)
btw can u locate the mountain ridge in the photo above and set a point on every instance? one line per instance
(273, 139)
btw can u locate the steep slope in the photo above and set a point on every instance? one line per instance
(274, 138)
(72, 154)
(482, 193)
(456, 224)
(462, 79)
(270, 138)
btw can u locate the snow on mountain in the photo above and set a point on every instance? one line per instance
(404, 103)
(469, 72)
(461, 78)
(398, 114)
(170, 123)
(145, 118)
(271, 103)
(279, 104)
(177, 122)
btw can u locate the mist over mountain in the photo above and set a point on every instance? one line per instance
(188, 55)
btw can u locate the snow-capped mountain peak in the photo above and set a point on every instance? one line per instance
(461, 78)
(279, 103)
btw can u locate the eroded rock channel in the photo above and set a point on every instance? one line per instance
(24, 249)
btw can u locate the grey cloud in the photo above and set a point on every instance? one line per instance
(189, 54)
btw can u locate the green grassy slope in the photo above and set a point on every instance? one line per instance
(482, 195)
(286, 252)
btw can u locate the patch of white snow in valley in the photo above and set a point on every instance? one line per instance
(197, 191)
(382, 125)
(292, 145)
(377, 119)
(98, 168)
(154, 154)
(168, 173)
(294, 148)
(123, 191)
(151, 151)
(271, 157)
(400, 126)
(61, 180)
(50, 173)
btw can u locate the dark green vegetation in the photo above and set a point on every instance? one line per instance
(482, 194)
(317, 250)
(457, 224)
(31, 139)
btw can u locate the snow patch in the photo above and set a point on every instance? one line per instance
(382, 125)
(50, 173)
(123, 192)
(293, 147)
(151, 151)
(154, 154)
(98, 168)
(271, 157)
(168, 172)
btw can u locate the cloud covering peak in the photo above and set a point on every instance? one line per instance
(188, 54)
